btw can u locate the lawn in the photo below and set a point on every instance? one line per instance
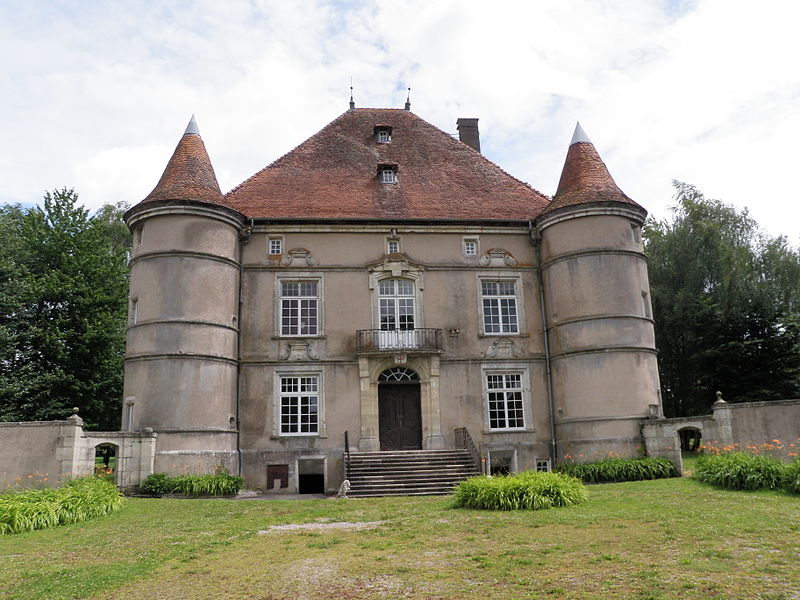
(670, 538)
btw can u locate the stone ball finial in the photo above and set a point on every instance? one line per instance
(719, 399)
(75, 410)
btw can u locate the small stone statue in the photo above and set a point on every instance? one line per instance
(343, 489)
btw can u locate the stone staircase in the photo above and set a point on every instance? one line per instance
(408, 472)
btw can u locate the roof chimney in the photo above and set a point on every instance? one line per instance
(468, 133)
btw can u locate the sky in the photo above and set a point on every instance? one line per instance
(95, 95)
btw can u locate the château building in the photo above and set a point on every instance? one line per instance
(385, 282)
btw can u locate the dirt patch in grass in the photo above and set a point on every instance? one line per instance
(340, 525)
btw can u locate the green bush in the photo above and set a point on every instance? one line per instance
(157, 484)
(75, 501)
(742, 471)
(528, 490)
(793, 477)
(620, 469)
(218, 484)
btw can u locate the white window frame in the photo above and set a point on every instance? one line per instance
(524, 390)
(389, 243)
(542, 465)
(388, 176)
(279, 394)
(130, 404)
(275, 242)
(134, 311)
(499, 277)
(384, 136)
(295, 277)
(472, 242)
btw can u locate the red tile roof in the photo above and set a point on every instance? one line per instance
(189, 175)
(333, 175)
(585, 179)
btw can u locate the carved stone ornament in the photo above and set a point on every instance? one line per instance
(398, 265)
(298, 351)
(502, 348)
(400, 359)
(497, 257)
(299, 257)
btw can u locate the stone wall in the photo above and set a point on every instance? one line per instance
(770, 427)
(46, 453)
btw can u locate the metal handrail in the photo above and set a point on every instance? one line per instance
(423, 338)
(464, 441)
(346, 455)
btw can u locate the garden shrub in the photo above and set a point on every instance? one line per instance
(793, 477)
(742, 471)
(218, 484)
(620, 469)
(77, 500)
(157, 484)
(528, 490)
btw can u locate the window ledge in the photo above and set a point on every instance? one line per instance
(507, 431)
(294, 436)
(299, 337)
(500, 335)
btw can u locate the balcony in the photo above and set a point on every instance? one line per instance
(399, 340)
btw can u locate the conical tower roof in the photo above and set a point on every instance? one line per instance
(585, 178)
(189, 175)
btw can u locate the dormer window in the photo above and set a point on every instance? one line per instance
(387, 173)
(383, 134)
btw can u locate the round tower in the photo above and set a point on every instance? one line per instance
(597, 309)
(181, 359)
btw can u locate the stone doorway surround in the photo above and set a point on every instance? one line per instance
(427, 367)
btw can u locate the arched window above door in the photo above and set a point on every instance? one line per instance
(398, 374)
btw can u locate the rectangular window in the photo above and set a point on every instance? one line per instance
(388, 176)
(383, 136)
(275, 245)
(299, 308)
(504, 397)
(396, 304)
(129, 415)
(392, 247)
(543, 465)
(299, 396)
(470, 247)
(646, 305)
(499, 303)
(134, 318)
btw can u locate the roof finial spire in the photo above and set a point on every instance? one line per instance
(408, 100)
(352, 102)
(579, 135)
(192, 127)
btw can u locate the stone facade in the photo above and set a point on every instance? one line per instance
(325, 295)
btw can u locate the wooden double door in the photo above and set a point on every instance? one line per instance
(400, 416)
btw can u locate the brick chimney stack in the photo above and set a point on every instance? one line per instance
(468, 133)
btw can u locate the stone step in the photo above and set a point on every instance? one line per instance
(408, 472)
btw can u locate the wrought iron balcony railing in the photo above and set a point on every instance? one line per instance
(398, 339)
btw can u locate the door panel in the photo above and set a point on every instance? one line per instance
(399, 417)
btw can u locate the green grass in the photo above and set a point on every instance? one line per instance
(620, 469)
(75, 501)
(664, 539)
(528, 490)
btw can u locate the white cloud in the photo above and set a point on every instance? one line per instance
(97, 94)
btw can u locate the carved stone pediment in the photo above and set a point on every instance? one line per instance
(298, 351)
(497, 257)
(299, 257)
(502, 348)
(396, 264)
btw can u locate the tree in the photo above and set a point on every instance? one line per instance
(726, 303)
(63, 311)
